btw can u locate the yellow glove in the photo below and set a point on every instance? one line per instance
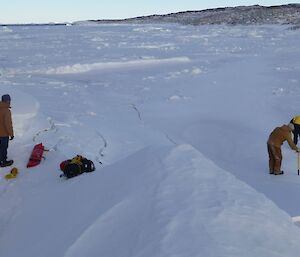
(10, 176)
(13, 173)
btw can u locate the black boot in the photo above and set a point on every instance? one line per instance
(279, 173)
(6, 163)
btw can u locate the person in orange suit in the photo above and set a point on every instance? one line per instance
(278, 136)
(6, 130)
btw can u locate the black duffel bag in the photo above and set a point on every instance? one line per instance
(76, 166)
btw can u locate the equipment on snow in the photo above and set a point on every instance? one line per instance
(6, 163)
(36, 155)
(76, 166)
(12, 174)
(63, 164)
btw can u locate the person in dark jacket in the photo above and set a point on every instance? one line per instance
(276, 139)
(296, 132)
(6, 130)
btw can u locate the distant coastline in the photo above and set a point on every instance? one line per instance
(288, 14)
(34, 24)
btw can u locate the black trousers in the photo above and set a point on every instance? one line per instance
(3, 148)
(296, 133)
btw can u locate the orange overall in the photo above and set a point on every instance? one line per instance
(276, 139)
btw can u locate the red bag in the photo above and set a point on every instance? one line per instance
(63, 164)
(36, 155)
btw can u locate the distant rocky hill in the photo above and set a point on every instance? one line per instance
(245, 15)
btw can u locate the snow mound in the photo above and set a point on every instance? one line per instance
(160, 201)
(25, 109)
(186, 206)
(6, 29)
(142, 63)
(208, 208)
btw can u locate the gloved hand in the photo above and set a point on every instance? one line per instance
(11, 138)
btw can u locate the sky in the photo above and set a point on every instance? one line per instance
(37, 11)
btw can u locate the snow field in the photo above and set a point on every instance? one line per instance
(178, 115)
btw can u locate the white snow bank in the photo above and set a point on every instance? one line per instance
(24, 109)
(208, 208)
(202, 210)
(6, 29)
(160, 201)
(142, 63)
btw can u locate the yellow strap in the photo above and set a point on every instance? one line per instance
(77, 160)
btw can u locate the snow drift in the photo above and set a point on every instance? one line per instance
(160, 201)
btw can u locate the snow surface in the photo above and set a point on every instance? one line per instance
(178, 115)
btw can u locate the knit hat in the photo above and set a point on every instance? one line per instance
(5, 98)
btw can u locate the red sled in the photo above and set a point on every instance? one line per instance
(36, 155)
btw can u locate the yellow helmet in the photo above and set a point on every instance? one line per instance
(296, 120)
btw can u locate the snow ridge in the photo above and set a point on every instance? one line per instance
(134, 64)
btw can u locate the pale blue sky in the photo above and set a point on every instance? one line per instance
(39, 11)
